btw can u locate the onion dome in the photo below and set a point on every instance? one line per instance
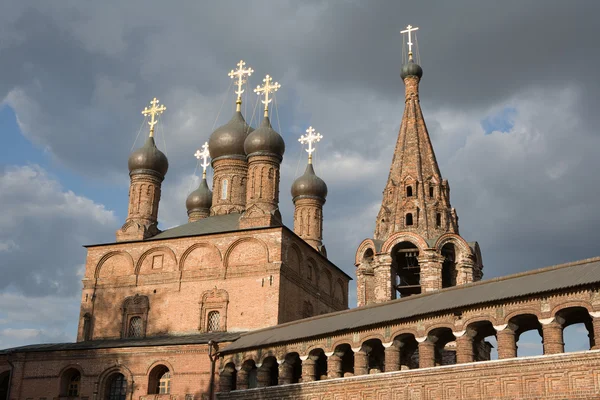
(411, 69)
(148, 157)
(309, 185)
(200, 199)
(264, 140)
(228, 140)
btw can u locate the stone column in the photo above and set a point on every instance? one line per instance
(464, 268)
(384, 285)
(426, 352)
(263, 376)
(309, 370)
(242, 378)
(361, 362)
(505, 336)
(392, 357)
(553, 336)
(595, 331)
(464, 347)
(334, 366)
(431, 271)
(285, 373)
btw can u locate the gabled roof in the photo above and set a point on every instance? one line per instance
(202, 338)
(214, 224)
(548, 279)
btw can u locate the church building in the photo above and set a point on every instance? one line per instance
(167, 314)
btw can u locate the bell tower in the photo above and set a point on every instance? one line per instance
(416, 246)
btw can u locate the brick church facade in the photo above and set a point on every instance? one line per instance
(166, 314)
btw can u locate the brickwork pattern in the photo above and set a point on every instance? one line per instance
(308, 220)
(229, 185)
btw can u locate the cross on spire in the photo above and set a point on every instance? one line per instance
(204, 155)
(240, 74)
(153, 111)
(409, 29)
(265, 90)
(310, 138)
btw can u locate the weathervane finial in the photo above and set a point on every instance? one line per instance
(265, 90)
(409, 29)
(310, 138)
(153, 111)
(240, 74)
(204, 155)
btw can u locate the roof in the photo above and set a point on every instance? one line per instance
(115, 343)
(214, 224)
(559, 277)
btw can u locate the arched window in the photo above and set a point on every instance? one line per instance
(430, 191)
(116, 389)
(409, 191)
(224, 189)
(214, 320)
(136, 328)
(309, 272)
(438, 219)
(74, 385)
(164, 384)
(409, 219)
(159, 380)
(70, 383)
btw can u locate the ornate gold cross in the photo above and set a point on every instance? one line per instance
(408, 30)
(204, 155)
(240, 73)
(311, 138)
(153, 111)
(265, 90)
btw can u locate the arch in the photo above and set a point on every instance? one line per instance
(293, 258)
(267, 354)
(400, 237)
(338, 291)
(70, 380)
(4, 382)
(339, 343)
(439, 326)
(228, 377)
(318, 355)
(477, 332)
(268, 372)
(106, 376)
(362, 248)
(572, 304)
(214, 300)
(160, 362)
(409, 219)
(108, 256)
(375, 355)
(236, 255)
(292, 367)
(516, 313)
(143, 257)
(203, 257)
(312, 271)
(373, 336)
(455, 239)
(325, 281)
(404, 331)
(479, 318)
(159, 379)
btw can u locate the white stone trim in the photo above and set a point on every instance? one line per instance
(546, 321)
(421, 339)
(387, 345)
(329, 353)
(459, 334)
(595, 314)
(499, 328)
(303, 358)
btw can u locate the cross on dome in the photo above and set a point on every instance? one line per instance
(409, 29)
(204, 155)
(310, 138)
(265, 90)
(240, 74)
(153, 111)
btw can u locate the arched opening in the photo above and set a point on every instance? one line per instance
(224, 189)
(268, 373)
(228, 378)
(136, 327)
(247, 376)
(70, 383)
(449, 265)
(528, 335)
(291, 368)
(87, 327)
(4, 380)
(409, 191)
(484, 339)
(431, 193)
(213, 321)
(116, 387)
(445, 346)
(409, 351)
(438, 220)
(376, 355)
(159, 380)
(578, 331)
(406, 266)
(344, 351)
(320, 359)
(409, 219)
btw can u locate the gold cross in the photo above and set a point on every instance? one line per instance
(204, 155)
(408, 30)
(153, 111)
(240, 73)
(310, 139)
(266, 89)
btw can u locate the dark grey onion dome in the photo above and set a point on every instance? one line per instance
(309, 185)
(411, 69)
(199, 199)
(228, 140)
(149, 157)
(264, 140)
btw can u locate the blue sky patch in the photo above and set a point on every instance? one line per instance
(502, 121)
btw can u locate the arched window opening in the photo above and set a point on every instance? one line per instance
(409, 191)
(224, 189)
(438, 220)
(116, 387)
(4, 378)
(253, 377)
(449, 266)
(406, 266)
(136, 327)
(344, 351)
(159, 380)
(70, 383)
(376, 356)
(528, 335)
(431, 193)
(578, 330)
(409, 219)
(409, 354)
(445, 346)
(228, 378)
(268, 373)
(318, 355)
(295, 367)
(484, 341)
(214, 321)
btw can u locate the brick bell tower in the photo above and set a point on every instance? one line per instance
(147, 169)
(416, 247)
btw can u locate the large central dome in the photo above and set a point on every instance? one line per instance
(228, 140)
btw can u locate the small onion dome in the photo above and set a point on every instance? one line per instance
(264, 140)
(411, 69)
(309, 185)
(200, 199)
(228, 140)
(149, 157)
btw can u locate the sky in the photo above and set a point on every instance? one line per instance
(509, 95)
